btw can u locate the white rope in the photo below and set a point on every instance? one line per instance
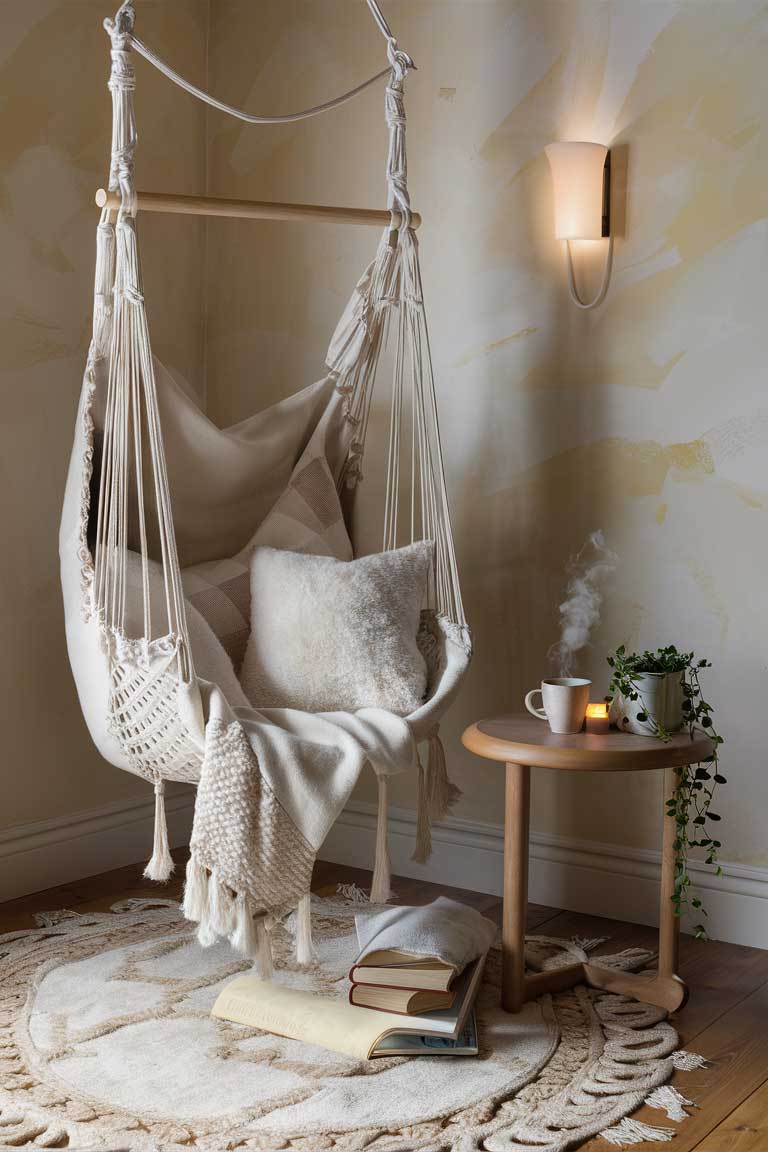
(132, 405)
(125, 17)
(132, 429)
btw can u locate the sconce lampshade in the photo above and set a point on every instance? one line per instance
(577, 178)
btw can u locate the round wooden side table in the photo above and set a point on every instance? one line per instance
(521, 742)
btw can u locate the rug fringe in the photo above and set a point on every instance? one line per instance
(671, 1101)
(352, 894)
(630, 1131)
(630, 959)
(589, 943)
(688, 1061)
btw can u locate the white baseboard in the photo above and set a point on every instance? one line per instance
(581, 876)
(58, 851)
(578, 875)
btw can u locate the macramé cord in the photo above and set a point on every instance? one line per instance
(152, 685)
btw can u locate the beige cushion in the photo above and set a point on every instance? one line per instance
(307, 518)
(220, 591)
(330, 635)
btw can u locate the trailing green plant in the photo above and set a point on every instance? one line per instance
(691, 806)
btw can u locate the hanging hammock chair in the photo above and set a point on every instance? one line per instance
(162, 509)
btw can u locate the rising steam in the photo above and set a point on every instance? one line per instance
(580, 611)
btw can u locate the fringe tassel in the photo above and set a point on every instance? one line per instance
(304, 951)
(443, 794)
(688, 1061)
(381, 885)
(222, 912)
(206, 937)
(195, 905)
(160, 866)
(423, 849)
(671, 1101)
(263, 952)
(437, 795)
(635, 1132)
(245, 937)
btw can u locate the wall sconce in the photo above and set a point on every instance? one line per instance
(581, 179)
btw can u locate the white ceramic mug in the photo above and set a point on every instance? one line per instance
(565, 700)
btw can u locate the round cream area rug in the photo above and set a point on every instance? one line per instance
(106, 1042)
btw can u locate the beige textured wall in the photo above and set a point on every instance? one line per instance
(647, 418)
(55, 117)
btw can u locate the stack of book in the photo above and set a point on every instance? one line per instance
(436, 996)
(413, 987)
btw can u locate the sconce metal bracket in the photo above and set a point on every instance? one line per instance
(606, 222)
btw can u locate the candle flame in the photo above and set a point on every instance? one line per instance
(597, 710)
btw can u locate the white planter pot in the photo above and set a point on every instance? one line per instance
(660, 695)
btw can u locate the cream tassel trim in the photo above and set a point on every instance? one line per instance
(222, 912)
(304, 950)
(423, 849)
(381, 885)
(435, 798)
(161, 864)
(442, 793)
(245, 937)
(196, 904)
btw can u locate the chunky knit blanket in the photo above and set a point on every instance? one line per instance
(271, 786)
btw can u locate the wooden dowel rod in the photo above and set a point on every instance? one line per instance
(250, 209)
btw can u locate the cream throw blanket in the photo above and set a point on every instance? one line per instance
(271, 786)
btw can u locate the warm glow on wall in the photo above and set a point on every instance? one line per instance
(580, 184)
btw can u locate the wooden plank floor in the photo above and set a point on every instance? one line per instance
(725, 1020)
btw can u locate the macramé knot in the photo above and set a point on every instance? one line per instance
(132, 294)
(399, 59)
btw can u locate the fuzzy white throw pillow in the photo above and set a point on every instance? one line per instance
(335, 636)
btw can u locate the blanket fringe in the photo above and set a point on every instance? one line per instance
(381, 889)
(304, 950)
(245, 937)
(630, 1131)
(222, 912)
(195, 905)
(160, 866)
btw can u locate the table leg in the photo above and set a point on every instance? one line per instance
(516, 815)
(666, 989)
(669, 923)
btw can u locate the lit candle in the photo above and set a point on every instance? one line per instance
(597, 718)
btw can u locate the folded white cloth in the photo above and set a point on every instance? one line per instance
(452, 932)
